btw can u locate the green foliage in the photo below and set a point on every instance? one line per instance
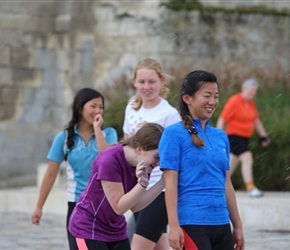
(186, 5)
(178, 5)
(257, 9)
(272, 164)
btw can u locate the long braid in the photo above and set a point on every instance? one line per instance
(190, 85)
(70, 136)
(189, 125)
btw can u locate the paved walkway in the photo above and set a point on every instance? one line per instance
(17, 232)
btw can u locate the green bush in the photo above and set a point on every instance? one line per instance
(272, 164)
(189, 5)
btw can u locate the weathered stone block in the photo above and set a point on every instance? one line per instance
(26, 23)
(5, 55)
(22, 57)
(26, 77)
(62, 23)
(5, 76)
(11, 37)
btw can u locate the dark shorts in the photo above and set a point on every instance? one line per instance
(71, 239)
(208, 237)
(84, 244)
(151, 222)
(238, 144)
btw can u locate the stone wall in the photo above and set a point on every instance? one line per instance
(49, 49)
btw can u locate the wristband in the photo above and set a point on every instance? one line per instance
(142, 185)
(263, 139)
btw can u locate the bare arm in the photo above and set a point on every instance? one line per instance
(100, 139)
(220, 123)
(120, 201)
(149, 196)
(176, 237)
(45, 188)
(262, 132)
(137, 198)
(260, 128)
(234, 214)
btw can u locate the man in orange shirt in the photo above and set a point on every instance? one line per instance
(240, 117)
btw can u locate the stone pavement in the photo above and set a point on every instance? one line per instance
(266, 220)
(17, 232)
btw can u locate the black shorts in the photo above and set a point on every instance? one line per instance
(208, 237)
(151, 222)
(238, 144)
(71, 239)
(101, 245)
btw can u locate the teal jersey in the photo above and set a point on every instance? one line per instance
(80, 158)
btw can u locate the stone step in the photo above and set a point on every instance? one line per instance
(270, 212)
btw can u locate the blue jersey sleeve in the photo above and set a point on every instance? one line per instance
(56, 152)
(169, 150)
(110, 135)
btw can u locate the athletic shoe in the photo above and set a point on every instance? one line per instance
(255, 192)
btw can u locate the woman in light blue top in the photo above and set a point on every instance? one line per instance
(78, 145)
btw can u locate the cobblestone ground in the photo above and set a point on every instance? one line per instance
(17, 232)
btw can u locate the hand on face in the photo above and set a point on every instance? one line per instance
(98, 121)
(141, 173)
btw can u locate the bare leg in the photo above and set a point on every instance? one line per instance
(246, 159)
(234, 161)
(131, 227)
(139, 242)
(163, 243)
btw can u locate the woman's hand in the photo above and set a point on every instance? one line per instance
(239, 239)
(176, 238)
(265, 141)
(98, 121)
(36, 216)
(141, 174)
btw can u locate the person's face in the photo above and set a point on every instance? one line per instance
(91, 109)
(203, 103)
(148, 84)
(250, 92)
(151, 159)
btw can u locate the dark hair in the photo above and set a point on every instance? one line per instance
(147, 137)
(191, 84)
(81, 98)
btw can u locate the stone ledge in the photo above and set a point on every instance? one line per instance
(271, 212)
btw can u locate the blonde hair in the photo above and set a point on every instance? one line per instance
(149, 63)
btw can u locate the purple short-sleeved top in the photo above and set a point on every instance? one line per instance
(93, 217)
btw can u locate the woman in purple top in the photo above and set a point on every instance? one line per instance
(118, 182)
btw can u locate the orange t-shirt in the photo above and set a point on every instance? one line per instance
(239, 116)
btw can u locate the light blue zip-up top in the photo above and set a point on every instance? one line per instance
(80, 158)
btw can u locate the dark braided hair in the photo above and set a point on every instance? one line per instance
(81, 98)
(191, 84)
